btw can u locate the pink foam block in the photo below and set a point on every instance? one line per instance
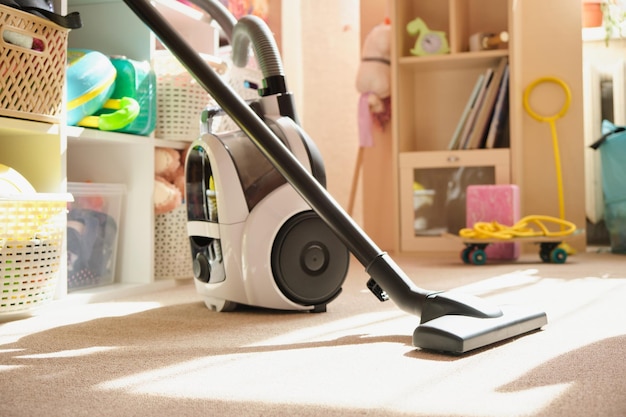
(500, 203)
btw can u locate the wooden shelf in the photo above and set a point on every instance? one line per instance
(459, 60)
(85, 135)
(12, 126)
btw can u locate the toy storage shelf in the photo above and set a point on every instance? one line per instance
(429, 96)
(430, 92)
(109, 157)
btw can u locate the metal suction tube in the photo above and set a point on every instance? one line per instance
(377, 263)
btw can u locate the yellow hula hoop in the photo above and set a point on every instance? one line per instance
(561, 113)
(552, 121)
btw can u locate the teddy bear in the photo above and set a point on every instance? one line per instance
(373, 81)
(169, 176)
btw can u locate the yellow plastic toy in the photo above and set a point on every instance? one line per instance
(530, 228)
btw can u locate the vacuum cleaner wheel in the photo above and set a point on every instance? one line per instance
(309, 262)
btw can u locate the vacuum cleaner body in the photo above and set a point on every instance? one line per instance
(254, 240)
(279, 241)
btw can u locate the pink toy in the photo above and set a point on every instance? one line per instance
(500, 203)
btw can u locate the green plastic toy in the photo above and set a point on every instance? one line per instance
(126, 111)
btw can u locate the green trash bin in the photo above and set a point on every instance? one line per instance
(612, 146)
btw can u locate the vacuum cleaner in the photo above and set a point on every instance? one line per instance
(265, 231)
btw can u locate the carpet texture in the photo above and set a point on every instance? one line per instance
(164, 353)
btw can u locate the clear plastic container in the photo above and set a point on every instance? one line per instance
(93, 224)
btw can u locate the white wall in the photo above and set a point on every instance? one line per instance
(321, 52)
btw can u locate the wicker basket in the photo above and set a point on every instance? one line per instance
(31, 82)
(31, 244)
(180, 99)
(172, 251)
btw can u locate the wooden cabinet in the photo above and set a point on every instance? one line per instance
(432, 192)
(429, 93)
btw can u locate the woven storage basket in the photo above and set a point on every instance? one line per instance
(31, 237)
(180, 99)
(31, 82)
(172, 251)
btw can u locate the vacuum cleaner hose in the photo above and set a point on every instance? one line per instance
(253, 30)
(243, 32)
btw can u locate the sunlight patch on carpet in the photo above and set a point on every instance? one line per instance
(6, 368)
(73, 353)
(302, 377)
(63, 314)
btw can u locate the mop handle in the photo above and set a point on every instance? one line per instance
(552, 121)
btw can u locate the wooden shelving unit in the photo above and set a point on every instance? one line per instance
(430, 92)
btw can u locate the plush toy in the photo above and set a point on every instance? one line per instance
(169, 179)
(179, 175)
(374, 81)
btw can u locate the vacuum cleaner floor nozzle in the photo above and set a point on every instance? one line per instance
(457, 334)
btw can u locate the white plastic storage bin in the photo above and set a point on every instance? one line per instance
(93, 224)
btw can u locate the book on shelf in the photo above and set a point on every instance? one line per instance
(503, 140)
(479, 131)
(471, 117)
(454, 142)
(498, 127)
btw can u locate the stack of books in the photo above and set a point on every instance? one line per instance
(485, 117)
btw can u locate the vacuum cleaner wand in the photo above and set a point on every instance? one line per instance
(488, 324)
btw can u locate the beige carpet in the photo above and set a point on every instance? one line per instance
(165, 354)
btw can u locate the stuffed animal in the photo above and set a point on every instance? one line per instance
(374, 81)
(169, 179)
